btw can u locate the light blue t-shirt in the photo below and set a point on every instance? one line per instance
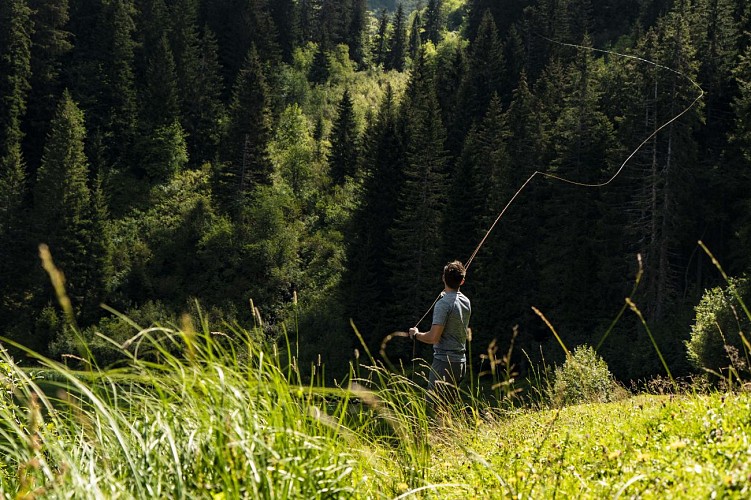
(452, 311)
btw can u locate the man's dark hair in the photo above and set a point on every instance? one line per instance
(453, 274)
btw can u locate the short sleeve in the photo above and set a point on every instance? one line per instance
(441, 312)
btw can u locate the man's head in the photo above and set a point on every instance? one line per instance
(453, 274)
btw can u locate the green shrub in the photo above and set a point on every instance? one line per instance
(717, 342)
(583, 378)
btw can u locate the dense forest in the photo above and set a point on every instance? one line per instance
(307, 163)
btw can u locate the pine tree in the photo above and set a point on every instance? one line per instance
(285, 15)
(15, 73)
(398, 42)
(343, 160)
(484, 77)
(51, 43)
(204, 114)
(584, 145)
(666, 200)
(417, 235)
(415, 39)
(160, 106)
(366, 285)
(103, 79)
(16, 28)
(62, 200)
(434, 23)
(380, 48)
(319, 70)
(246, 160)
(357, 30)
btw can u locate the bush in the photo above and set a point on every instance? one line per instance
(717, 341)
(583, 378)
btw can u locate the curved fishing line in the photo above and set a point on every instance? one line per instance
(574, 182)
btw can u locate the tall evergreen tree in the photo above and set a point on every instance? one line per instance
(246, 159)
(417, 235)
(381, 42)
(415, 38)
(584, 145)
(434, 22)
(15, 73)
(103, 80)
(367, 283)
(285, 15)
(16, 28)
(397, 42)
(62, 200)
(50, 44)
(484, 77)
(343, 160)
(666, 197)
(357, 30)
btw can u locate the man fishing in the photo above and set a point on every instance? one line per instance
(448, 333)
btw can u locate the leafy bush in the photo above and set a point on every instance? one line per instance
(583, 378)
(717, 338)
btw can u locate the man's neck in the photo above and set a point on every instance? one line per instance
(447, 290)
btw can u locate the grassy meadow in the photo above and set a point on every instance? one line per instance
(199, 413)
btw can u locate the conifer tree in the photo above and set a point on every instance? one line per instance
(583, 148)
(246, 162)
(417, 235)
(16, 28)
(285, 15)
(343, 160)
(415, 38)
(450, 73)
(397, 42)
(484, 77)
(104, 83)
(357, 30)
(666, 199)
(62, 200)
(15, 73)
(51, 43)
(434, 22)
(204, 108)
(319, 70)
(381, 42)
(368, 280)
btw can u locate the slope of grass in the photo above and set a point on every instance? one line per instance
(689, 446)
(205, 414)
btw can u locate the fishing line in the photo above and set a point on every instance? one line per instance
(574, 182)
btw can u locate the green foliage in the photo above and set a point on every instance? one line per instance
(583, 378)
(719, 335)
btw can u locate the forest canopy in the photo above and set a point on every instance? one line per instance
(316, 162)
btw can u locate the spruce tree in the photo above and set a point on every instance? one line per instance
(417, 251)
(357, 30)
(246, 162)
(62, 200)
(343, 160)
(381, 42)
(285, 15)
(483, 78)
(571, 252)
(15, 74)
(397, 42)
(367, 282)
(434, 23)
(666, 197)
(51, 43)
(415, 38)
(16, 28)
